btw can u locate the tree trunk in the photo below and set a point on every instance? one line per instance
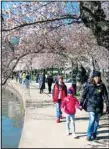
(94, 16)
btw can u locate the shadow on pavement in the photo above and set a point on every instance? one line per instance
(82, 118)
(103, 137)
(103, 125)
(104, 131)
(82, 136)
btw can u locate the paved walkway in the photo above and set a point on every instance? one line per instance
(41, 131)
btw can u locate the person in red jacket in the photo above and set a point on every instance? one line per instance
(69, 105)
(59, 93)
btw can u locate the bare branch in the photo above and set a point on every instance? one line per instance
(46, 21)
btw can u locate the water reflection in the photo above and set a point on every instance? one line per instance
(12, 120)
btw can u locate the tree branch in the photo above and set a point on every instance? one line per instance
(46, 21)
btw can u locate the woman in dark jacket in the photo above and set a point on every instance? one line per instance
(94, 93)
(49, 82)
(41, 80)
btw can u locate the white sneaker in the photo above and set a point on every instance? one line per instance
(74, 135)
(68, 133)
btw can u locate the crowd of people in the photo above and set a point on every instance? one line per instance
(94, 93)
(42, 79)
(23, 78)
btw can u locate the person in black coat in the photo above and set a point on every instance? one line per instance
(27, 81)
(49, 80)
(93, 96)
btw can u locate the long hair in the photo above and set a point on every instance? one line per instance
(93, 81)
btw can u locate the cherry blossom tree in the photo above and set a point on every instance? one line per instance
(52, 30)
(20, 14)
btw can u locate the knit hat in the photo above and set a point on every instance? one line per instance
(70, 91)
(96, 74)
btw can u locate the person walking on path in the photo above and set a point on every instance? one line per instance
(23, 79)
(27, 81)
(94, 93)
(37, 76)
(44, 79)
(59, 93)
(49, 82)
(41, 82)
(74, 81)
(20, 77)
(17, 76)
(69, 105)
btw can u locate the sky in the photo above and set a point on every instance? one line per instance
(68, 7)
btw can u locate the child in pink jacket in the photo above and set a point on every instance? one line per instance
(69, 105)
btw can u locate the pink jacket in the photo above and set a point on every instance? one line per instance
(69, 104)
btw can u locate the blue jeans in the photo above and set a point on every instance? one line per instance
(93, 123)
(70, 117)
(58, 109)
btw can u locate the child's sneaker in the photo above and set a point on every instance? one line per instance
(58, 121)
(74, 135)
(68, 133)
